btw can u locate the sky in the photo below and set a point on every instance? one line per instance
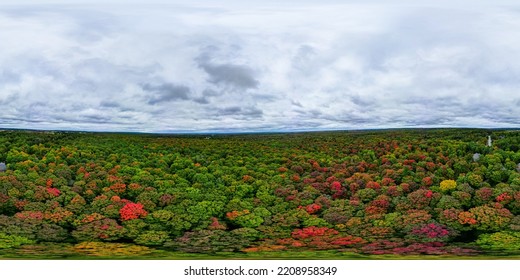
(255, 66)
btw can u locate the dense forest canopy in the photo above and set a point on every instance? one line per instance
(421, 191)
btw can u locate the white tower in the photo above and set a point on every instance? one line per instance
(489, 141)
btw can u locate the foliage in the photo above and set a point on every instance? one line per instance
(106, 229)
(152, 238)
(500, 241)
(491, 219)
(263, 192)
(398, 247)
(132, 211)
(8, 241)
(431, 232)
(448, 185)
(104, 249)
(209, 241)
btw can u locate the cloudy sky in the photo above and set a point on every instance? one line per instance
(226, 66)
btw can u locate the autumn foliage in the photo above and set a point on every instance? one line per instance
(379, 192)
(132, 211)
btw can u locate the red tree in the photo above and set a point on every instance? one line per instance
(132, 211)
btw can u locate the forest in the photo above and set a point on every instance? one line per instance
(342, 194)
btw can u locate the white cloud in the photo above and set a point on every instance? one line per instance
(265, 66)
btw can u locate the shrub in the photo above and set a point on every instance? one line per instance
(500, 241)
(103, 249)
(310, 232)
(106, 229)
(51, 233)
(431, 232)
(16, 227)
(319, 238)
(9, 241)
(398, 247)
(153, 238)
(208, 241)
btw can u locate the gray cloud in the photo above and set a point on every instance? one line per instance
(201, 100)
(7, 76)
(166, 92)
(311, 66)
(230, 111)
(238, 76)
(296, 103)
(109, 104)
(240, 112)
(210, 93)
(358, 100)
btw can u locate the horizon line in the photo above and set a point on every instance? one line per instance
(281, 131)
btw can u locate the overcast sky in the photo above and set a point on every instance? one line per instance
(226, 66)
